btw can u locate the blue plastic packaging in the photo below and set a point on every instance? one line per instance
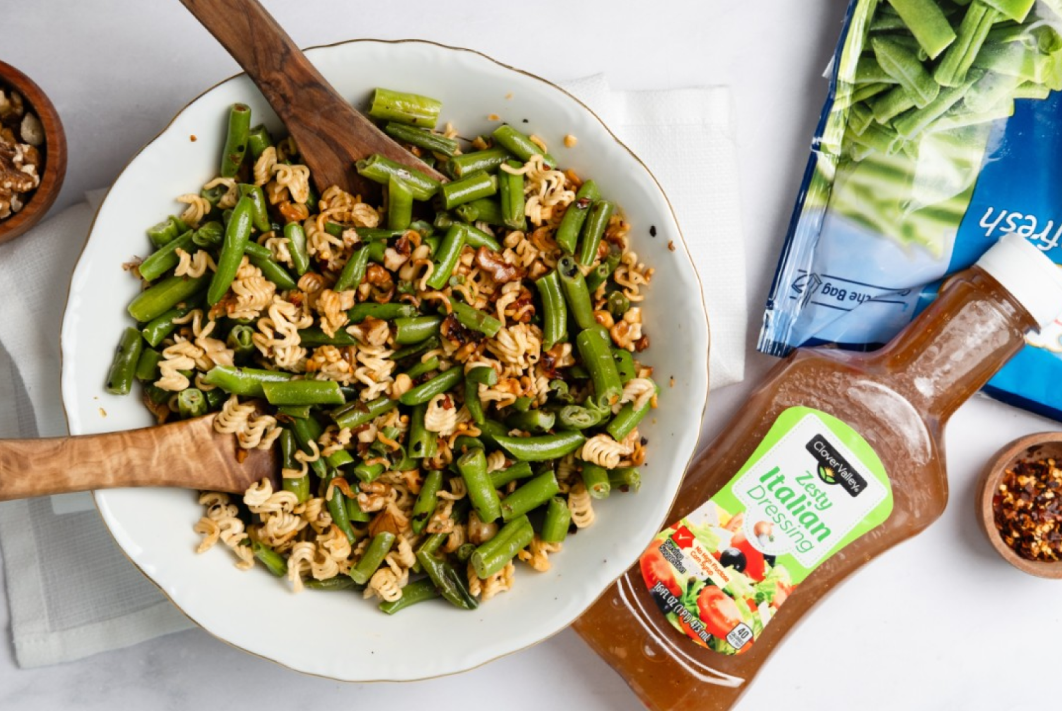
(897, 196)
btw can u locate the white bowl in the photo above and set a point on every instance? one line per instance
(339, 635)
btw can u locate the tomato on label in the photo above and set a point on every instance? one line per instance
(656, 569)
(754, 565)
(719, 612)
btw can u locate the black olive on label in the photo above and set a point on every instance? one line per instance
(733, 558)
(769, 559)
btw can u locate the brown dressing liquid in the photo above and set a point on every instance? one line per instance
(899, 399)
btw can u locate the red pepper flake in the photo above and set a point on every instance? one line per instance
(1028, 509)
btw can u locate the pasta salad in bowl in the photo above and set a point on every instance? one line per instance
(457, 375)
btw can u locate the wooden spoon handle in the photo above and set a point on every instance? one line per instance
(184, 454)
(330, 133)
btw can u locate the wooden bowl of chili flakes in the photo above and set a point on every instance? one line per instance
(1019, 503)
(32, 153)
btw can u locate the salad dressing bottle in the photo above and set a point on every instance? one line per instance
(835, 458)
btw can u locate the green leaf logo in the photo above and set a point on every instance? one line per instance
(826, 474)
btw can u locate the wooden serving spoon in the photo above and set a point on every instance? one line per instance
(330, 133)
(187, 454)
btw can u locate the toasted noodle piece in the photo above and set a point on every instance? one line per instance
(537, 554)
(603, 451)
(581, 505)
(495, 584)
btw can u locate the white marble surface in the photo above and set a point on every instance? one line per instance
(938, 623)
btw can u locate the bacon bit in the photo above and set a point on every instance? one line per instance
(548, 364)
(383, 521)
(452, 330)
(447, 403)
(293, 211)
(641, 344)
(403, 246)
(570, 141)
(500, 271)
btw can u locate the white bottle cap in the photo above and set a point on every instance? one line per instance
(1027, 273)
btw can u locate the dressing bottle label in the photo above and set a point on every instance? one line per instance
(812, 486)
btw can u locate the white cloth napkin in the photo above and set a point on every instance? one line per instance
(71, 591)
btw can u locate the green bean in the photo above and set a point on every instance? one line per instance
(473, 468)
(387, 312)
(241, 341)
(303, 392)
(300, 486)
(593, 230)
(617, 304)
(415, 350)
(595, 478)
(532, 420)
(237, 235)
(210, 234)
(511, 190)
(530, 496)
(464, 552)
(596, 356)
(337, 508)
(447, 255)
(124, 366)
(463, 443)
(521, 145)
(261, 214)
(542, 448)
(258, 139)
(369, 472)
(426, 500)
(471, 187)
(581, 417)
(625, 479)
(501, 477)
(575, 216)
(246, 382)
(273, 561)
(270, 269)
(353, 272)
(359, 413)
(481, 210)
(477, 320)
(556, 521)
(885, 107)
(432, 543)
(554, 310)
(414, 592)
(600, 274)
(868, 71)
(915, 121)
(486, 160)
(373, 557)
(147, 365)
(191, 403)
(959, 57)
(624, 365)
(473, 379)
(422, 367)
(399, 204)
(904, 67)
(627, 419)
(927, 23)
(166, 231)
(379, 169)
(339, 582)
(236, 140)
(493, 555)
(300, 258)
(416, 329)
(422, 443)
(450, 584)
(477, 238)
(354, 512)
(576, 292)
(215, 398)
(300, 412)
(313, 336)
(163, 296)
(437, 385)
(421, 138)
(165, 258)
(403, 107)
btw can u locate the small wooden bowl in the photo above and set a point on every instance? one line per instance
(54, 154)
(1035, 446)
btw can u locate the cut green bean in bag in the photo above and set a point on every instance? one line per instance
(912, 182)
